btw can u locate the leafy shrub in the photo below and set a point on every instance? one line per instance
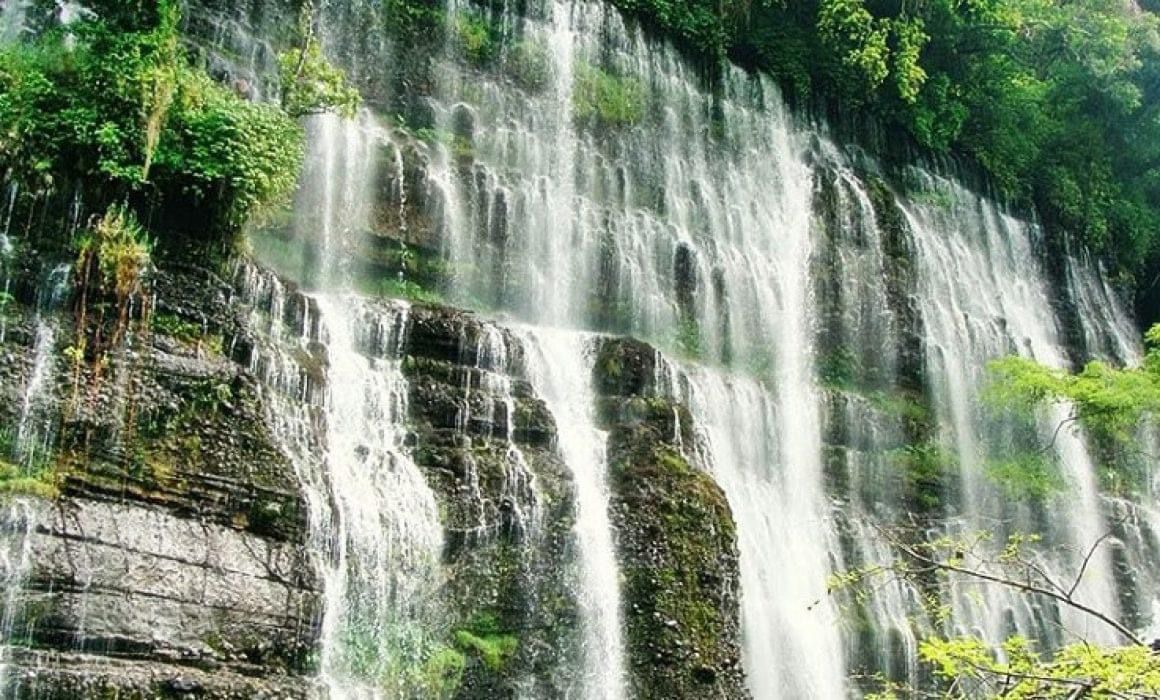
(607, 99)
(474, 37)
(310, 83)
(122, 112)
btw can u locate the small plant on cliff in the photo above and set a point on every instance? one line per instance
(114, 254)
(111, 293)
(475, 40)
(486, 639)
(39, 481)
(607, 99)
(311, 83)
(530, 66)
(113, 259)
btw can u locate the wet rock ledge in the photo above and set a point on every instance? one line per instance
(676, 538)
(171, 561)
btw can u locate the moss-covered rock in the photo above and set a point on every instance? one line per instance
(173, 553)
(677, 542)
(506, 500)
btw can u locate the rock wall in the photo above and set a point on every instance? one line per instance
(676, 539)
(170, 563)
(171, 557)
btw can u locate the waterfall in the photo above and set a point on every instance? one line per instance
(983, 296)
(18, 518)
(560, 368)
(817, 312)
(556, 225)
(12, 19)
(38, 412)
(792, 642)
(494, 362)
(374, 522)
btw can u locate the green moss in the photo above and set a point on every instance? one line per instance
(1032, 475)
(530, 66)
(443, 672)
(485, 638)
(41, 481)
(414, 19)
(494, 651)
(903, 405)
(839, 368)
(176, 327)
(926, 469)
(606, 99)
(475, 39)
(406, 289)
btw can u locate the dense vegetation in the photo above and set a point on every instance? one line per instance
(112, 106)
(1059, 102)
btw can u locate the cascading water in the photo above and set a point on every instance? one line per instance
(493, 360)
(701, 234)
(965, 244)
(792, 642)
(375, 526)
(695, 219)
(560, 368)
(559, 231)
(39, 410)
(18, 517)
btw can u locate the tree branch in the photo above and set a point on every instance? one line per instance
(1028, 587)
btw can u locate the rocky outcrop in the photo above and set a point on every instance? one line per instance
(172, 558)
(677, 541)
(486, 443)
(171, 561)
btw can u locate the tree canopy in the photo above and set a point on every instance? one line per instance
(112, 105)
(1058, 101)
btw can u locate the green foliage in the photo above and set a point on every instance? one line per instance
(1032, 476)
(839, 368)
(40, 481)
(1110, 401)
(414, 20)
(530, 66)
(1111, 405)
(117, 107)
(407, 289)
(1058, 101)
(1079, 670)
(704, 26)
(236, 156)
(475, 40)
(310, 83)
(118, 250)
(606, 99)
(485, 638)
(847, 29)
(443, 672)
(176, 327)
(686, 339)
(925, 468)
(35, 475)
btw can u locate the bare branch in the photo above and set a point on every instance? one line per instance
(1027, 587)
(1087, 560)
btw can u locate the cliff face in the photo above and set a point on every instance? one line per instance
(172, 561)
(173, 556)
(321, 473)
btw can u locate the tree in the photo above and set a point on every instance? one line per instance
(1112, 406)
(968, 667)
